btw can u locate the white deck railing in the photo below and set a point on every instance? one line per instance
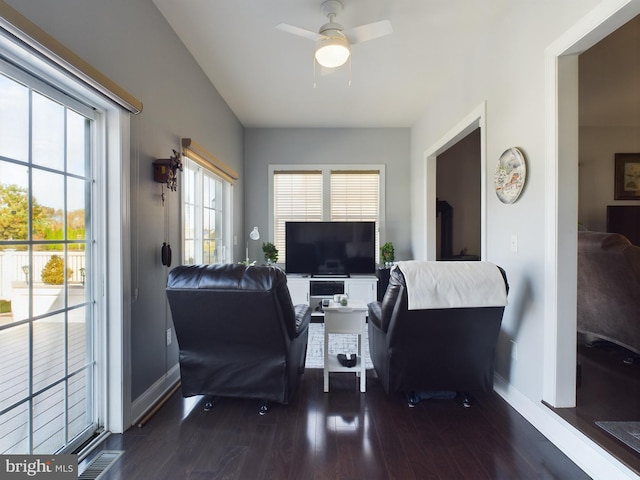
(14, 267)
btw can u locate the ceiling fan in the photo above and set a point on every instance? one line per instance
(333, 43)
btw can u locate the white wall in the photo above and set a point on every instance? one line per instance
(131, 43)
(387, 146)
(505, 69)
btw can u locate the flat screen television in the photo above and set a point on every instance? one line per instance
(330, 248)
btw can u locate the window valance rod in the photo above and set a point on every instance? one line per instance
(198, 154)
(51, 50)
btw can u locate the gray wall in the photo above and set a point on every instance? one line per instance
(388, 146)
(131, 43)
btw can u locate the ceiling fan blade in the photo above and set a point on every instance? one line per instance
(369, 31)
(300, 32)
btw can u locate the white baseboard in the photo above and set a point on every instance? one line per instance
(584, 452)
(144, 402)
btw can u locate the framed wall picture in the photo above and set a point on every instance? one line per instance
(627, 176)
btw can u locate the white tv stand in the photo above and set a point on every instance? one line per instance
(312, 290)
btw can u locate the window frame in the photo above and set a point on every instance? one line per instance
(326, 190)
(36, 87)
(106, 240)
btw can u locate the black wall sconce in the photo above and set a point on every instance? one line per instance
(165, 170)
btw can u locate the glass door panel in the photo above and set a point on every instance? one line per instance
(46, 310)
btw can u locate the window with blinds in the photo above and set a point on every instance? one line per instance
(297, 196)
(355, 197)
(324, 194)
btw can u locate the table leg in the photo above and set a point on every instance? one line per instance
(326, 357)
(363, 367)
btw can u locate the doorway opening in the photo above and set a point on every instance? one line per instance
(462, 145)
(458, 200)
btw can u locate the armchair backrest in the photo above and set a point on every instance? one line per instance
(395, 302)
(234, 292)
(434, 348)
(234, 325)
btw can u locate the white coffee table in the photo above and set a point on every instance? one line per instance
(350, 319)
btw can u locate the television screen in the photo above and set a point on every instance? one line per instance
(330, 248)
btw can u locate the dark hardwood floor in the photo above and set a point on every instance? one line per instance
(608, 390)
(342, 434)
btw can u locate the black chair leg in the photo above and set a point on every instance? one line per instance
(632, 359)
(208, 403)
(304, 360)
(412, 399)
(264, 408)
(466, 401)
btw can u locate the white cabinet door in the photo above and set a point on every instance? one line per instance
(299, 290)
(362, 290)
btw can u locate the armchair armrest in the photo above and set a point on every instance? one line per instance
(303, 318)
(375, 314)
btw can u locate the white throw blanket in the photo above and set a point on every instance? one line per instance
(433, 285)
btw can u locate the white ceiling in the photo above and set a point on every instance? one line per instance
(266, 76)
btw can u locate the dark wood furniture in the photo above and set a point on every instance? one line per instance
(383, 281)
(625, 220)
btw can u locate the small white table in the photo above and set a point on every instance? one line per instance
(351, 319)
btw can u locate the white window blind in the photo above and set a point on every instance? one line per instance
(297, 197)
(355, 196)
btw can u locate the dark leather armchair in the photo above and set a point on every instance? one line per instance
(238, 332)
(434, 350)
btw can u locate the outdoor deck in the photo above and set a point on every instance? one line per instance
(52, 394)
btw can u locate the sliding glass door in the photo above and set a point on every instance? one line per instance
(47, 366)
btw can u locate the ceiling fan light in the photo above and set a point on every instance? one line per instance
(332, 52)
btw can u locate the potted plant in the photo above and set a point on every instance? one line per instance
(270, 252)
(387, 253)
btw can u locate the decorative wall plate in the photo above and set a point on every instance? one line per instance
(510, 175)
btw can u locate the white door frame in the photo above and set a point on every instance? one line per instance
(561, 130)
(475, 119)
